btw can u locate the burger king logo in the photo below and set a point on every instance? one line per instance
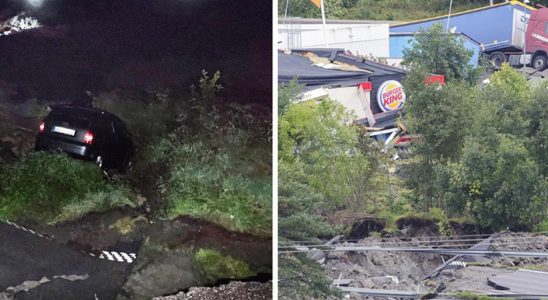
(390, 95)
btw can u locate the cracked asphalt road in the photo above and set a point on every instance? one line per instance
(36, 268)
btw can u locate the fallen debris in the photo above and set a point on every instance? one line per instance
(234, 291)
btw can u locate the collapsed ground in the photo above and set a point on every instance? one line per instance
(410, 271)
(198, 196)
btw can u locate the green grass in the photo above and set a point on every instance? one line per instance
(49, 188)
(216, 266)
(202, 158)
(472, 296)
(220, 186)
(219, 169)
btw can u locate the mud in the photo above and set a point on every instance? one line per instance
(407, 271)
(383, 270)
(364, 229)
(233, 290)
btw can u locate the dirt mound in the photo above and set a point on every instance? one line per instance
(234, 290)
(521, 242)
(364, 228)
(415, 226)
(379, 269)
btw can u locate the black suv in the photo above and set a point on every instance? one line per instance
(87, 133)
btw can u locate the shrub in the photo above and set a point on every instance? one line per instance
(220, 172)
(45, 187)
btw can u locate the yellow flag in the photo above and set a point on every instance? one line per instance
(316, 2)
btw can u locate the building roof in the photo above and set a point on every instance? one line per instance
(414, 33)
(296, 65)
(293, 20)
(463, 13)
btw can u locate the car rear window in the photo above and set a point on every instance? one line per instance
(71, 119)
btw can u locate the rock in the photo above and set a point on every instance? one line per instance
(316, 254)
(365, 282)
(161, 272)
(447, 273)
(381, 281)
(233, 291)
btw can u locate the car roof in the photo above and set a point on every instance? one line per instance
(81, 111)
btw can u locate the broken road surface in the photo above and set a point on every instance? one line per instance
(33, 267)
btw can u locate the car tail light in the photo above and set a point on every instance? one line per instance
(88, 138)
(42, 127)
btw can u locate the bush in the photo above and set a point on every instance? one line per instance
(218, 266)
(302, 226)
(302, 278)
(45, 187)
(221, 172)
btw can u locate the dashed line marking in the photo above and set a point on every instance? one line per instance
(27, 230)
(108, 255)
(457, 263)
(118, 256)
(126, 256)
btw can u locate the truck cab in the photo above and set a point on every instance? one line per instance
(536, 41)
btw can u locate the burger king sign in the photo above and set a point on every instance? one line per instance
(390, 95)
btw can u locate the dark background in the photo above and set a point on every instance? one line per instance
(144, 45)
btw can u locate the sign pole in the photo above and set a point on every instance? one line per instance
(449, 15)
(323, 21)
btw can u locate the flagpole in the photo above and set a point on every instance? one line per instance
(449, 15)
(323, 21)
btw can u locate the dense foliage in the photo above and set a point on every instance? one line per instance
(201, 157)
(482, 153)
(406, 10)
(434, 51)
(325, 164)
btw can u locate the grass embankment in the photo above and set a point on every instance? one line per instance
(207, 159)
(215, 266)
(196, 156)
(51, 188)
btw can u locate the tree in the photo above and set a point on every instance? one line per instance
(334, 9)
(442, 117)
(325, 163)
(438, 52)
(500, 179)
(501, 183)
(537, 128)
(322, 138)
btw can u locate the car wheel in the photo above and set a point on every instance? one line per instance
(539, 62)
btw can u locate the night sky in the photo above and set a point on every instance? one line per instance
(137, 44)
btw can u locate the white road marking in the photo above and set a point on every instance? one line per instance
(109, 255)
(117, 256)
(126, 257)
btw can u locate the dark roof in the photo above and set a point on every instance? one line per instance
(295, 65)
(79, 110)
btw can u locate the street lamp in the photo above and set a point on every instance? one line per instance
(35, 3)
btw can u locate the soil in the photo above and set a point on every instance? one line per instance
(165, 248)
(232, 291)
(408, 271)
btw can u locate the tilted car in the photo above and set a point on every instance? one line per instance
(87, 133)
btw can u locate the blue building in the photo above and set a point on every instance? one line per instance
(496, 27)
(401, 40)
